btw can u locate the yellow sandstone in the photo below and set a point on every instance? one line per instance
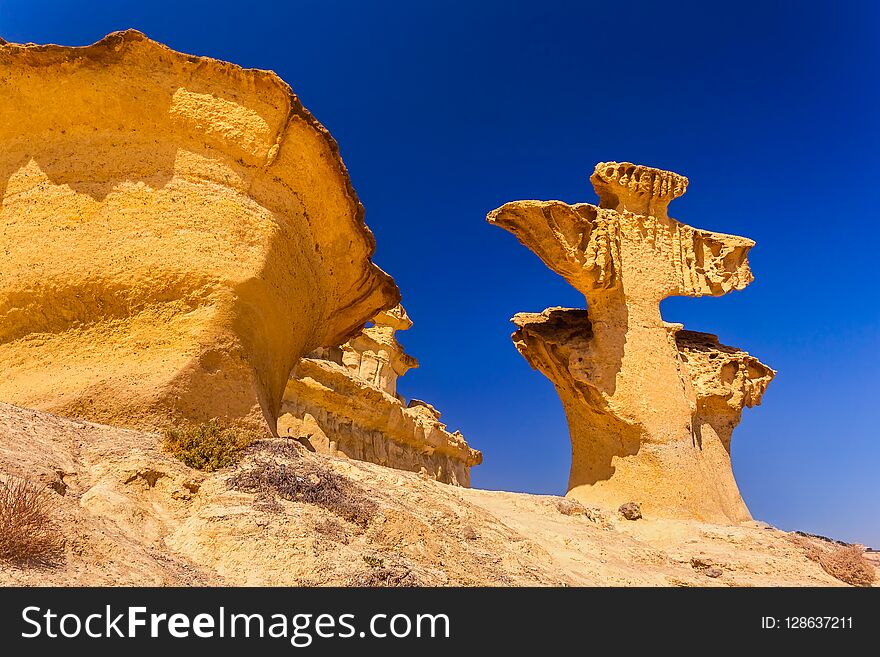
(343, 401)
(175, 232)
(650, 408)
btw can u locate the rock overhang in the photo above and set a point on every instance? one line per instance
(183, 195)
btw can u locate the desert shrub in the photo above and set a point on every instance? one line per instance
(849, 565)
(390, 577)
(28, 536)
(332, 530)
(840, 560)
(208, 446)
(379, 573)
(308, 483)
(280, 447)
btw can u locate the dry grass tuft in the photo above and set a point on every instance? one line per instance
(28, 536)
(279, 447)
(844, 562)
(396, 574)
(208, 446)
(308, 483)
(332, 530)
(849, 565)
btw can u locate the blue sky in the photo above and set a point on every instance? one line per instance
(446, 110)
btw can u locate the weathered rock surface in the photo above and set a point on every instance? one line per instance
(650, 408)
(630, 511)
(176, 233)
(344, 401)
(134, 516)
(724, 380)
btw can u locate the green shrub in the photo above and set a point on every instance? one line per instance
(395, 573)
(208, 446)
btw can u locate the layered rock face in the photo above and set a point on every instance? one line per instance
(177, 232)
(344, 400)
(650, 408)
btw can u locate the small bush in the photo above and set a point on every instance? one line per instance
(379, 573)
(840, 560)
(281, 448)
(208, 446)
(332, 530)
(308, 483)
(849, 565)
(27, 534)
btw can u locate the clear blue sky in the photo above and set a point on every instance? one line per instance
(446, 110)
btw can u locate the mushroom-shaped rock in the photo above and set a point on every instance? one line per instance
(177, 232)
(634, 415)
(597, 248)
(394, 318)
(376, 356)
(344, 401)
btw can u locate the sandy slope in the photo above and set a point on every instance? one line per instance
(135, 516)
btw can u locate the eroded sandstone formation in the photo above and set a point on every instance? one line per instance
(176, 233)
(650, 408)
(344, 400)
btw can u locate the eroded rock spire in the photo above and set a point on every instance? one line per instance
(344, 401)
(649, 412)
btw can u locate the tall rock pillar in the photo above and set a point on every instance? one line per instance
(638, 395)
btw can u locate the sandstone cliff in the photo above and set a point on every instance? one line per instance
(344, 401)
(650, 410)
(177, 232)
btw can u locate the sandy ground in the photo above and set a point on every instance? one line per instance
(133, 515)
